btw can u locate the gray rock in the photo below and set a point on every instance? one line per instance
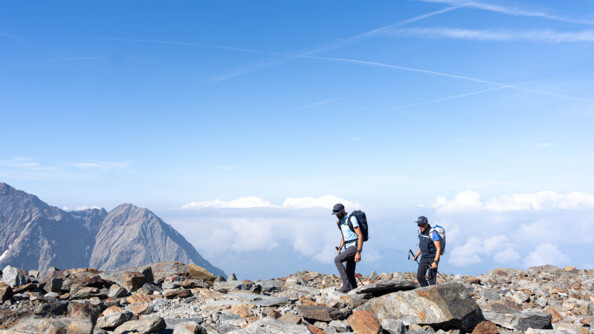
(337, 326)
(117, 292)
(393, 326)
(269, 286)
(446, 306)
(143, 326)
(269, 325)
(228, 286)
(54, 285)
(111, 321)
(13, 276)
(520, 321)
(384, 287)
(232, 277)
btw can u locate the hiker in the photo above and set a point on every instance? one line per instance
(352, 241)
(430, 248)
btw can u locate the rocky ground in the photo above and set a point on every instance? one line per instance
(171, 297)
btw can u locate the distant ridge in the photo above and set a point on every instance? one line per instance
(35, 235)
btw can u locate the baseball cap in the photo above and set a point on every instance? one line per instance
(337, 208)
(421, 220)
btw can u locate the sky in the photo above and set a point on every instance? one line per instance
(241, 124)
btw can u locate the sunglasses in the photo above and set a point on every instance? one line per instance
(420, 225)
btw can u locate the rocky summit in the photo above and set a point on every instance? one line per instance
(172, 297)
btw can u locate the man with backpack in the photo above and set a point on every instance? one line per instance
(352, 240)
(431, 246)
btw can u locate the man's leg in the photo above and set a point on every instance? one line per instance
(432, 274)
(350, 269)
(338, 260)
(421, 271)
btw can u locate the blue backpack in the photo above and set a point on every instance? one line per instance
(362, 219)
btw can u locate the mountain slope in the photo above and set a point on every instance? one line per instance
(34, 235)
(132, 236)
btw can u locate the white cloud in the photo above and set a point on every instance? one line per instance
(470, 253)
(102, 165)
(240, 203)
(540, 36)
(326, 201)
(469, 200)
(546, 254)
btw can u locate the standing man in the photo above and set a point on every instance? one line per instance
(352, 240)
(430, 247)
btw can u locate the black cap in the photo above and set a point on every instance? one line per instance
(337, 208)
(422, 220)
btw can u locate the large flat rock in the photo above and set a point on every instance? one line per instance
(445, 306)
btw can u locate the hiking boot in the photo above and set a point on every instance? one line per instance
(344, 289)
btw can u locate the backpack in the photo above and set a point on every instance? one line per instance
(362, 219)
(442, 235)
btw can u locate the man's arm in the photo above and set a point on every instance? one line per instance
(437, 254)
(359, 244)
(417, 256)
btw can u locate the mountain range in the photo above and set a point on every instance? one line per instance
(35, 235)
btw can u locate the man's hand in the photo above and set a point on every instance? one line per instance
(415, 257)
(357, 257)
(434, 265)
(337, 250)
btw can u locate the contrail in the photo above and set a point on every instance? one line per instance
(482, 92)
(355, 61)
(331, 45)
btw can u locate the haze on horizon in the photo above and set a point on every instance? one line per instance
(240, 124)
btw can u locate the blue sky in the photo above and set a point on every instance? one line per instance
(389, 105)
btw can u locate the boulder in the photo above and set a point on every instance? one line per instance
(384, 287)
(53, 285)
(520, 321)
(133, 281)
(51, 309)
(198, 272)
(13, 276)
(269, 325)
(84, 310)
(445, 306)
(143, 326)
(178, 294)
(113, 320)
(363, 322)
(5, 291)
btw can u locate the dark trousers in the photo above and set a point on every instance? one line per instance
(425, 268)
(349, 281)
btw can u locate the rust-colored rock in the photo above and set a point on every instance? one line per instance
(556, 316)
(363, 322)
(242, 310)
(138, 298)
(291, 318)
(141, 309)
(486, 327)
(315, 330)
(112, 310)
(198, 272)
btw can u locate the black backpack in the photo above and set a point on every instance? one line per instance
(362, 219)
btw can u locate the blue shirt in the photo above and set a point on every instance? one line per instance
(350, 237)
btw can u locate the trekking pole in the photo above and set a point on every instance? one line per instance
(411, 253)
